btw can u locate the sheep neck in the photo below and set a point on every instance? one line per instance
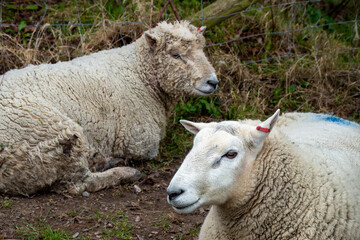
(151, 75)
(273, 198)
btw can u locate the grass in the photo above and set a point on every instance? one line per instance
(6, 203)
(75, 213)
(117, 226)
(193, 232)
(42, 231)
(163, 223)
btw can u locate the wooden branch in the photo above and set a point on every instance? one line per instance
(162, 12)
(151, 11)
(218, 9)
(174, 10)
(172, 7)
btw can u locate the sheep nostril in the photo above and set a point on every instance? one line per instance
(213, 82)
(174, 194)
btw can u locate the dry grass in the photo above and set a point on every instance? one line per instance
(319, 80)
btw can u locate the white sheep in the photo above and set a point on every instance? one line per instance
(301, 181)
(57, 121)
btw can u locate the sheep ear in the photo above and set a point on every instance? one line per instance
(261, 131)
(202, 29)
(192, 126)
(151, 40)
(270, 122)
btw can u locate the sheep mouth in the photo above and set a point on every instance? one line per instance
(187, 208)
(205, 93)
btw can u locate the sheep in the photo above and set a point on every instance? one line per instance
(297, 180)
(64, 126)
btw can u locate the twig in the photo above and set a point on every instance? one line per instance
(103, 18)
(172, 5)
(162, 11)
(151, 11)
(174, 10)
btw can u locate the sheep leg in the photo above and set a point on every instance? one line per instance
(111, 177)
(100, 163)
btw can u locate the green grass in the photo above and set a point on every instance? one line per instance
(6, 203)
(197, 106)
(193, 232)
(176, 143)
(163, 223)
(121, 228)
(75, 213)
(116, 224)
(185, 8)
(42, 231)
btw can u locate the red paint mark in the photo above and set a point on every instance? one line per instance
(263, 129)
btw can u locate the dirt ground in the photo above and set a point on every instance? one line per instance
(135, 211)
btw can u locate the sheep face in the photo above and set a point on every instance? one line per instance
(217, 164)
(179, 60)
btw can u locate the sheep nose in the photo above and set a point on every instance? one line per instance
(172, 194)
(212, 81)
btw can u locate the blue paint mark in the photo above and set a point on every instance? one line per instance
(334, 119)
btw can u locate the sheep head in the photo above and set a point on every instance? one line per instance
(218, 163)
(177, 57)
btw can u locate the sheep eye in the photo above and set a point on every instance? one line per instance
(176, 55)
(231, 155)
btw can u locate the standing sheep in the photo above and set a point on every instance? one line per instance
(58, 121)
(301, 181)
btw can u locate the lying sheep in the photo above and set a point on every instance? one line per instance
(59, 120)
(300, 181)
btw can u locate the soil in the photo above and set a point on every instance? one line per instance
(135, 211)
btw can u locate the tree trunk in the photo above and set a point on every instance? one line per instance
(218, 9)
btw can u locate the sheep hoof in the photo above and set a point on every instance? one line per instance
(124, 174)
(121, 174)
(112, 177)
(136, 175)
